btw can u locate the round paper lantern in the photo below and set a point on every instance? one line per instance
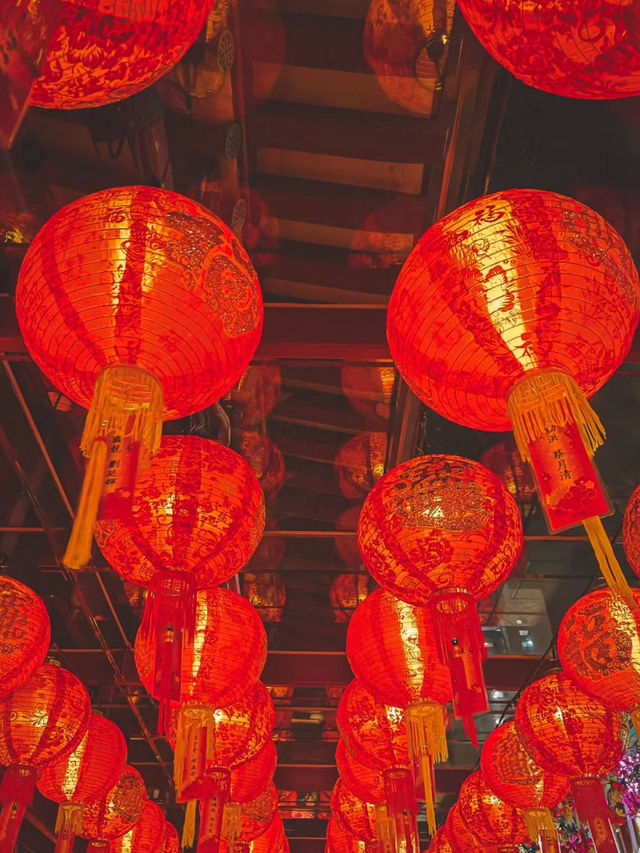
(488, 325)
(266, 461)
(597, 646)
(273, 840)
(105, 820)
(138, 303)
(170, 840)
(25, 634)
(103, 52)
(569, 732)
(392, 649)
(505, 461)
(444, 531)
(347, 546)
(631, 532)
(440, 843)
(369, 389)
(84, 775)
(40, 721)
(365, 783)
(346, 593)
(359, 464)
(145, 835)
(338, 841)
(196, 518)
(266, 591)
(355, 817)
(460, 836)
(244, 822)
(489, 818)
(257, 393)
(580, 50)
(514, 776)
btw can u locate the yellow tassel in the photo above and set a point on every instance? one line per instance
(607, 560)
(69, 818)
(543, 399)
(539, 821)
(232, 822)
(386, 830)
(189, 828)
(427, 739)
(78, 552)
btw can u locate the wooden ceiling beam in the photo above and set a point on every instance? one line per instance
(316, 41)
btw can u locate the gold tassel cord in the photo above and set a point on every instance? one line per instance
(69, 818)
(607, 560)
(78, 551)
(539, 821)
(427, 740)
(232, 822)
(189, 828)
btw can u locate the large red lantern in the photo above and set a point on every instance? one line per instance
(170, 839)
(355, 817)
(140, 304)
(514, 776)
(25, 634)
(338, 841)
(392, 649)
(273, 840)
(460, 836)
(365, 783)
(84, 775)
(583, 49)
(360, 463)
(510, 312)
(489, 818)
(444, 531)
(105, 820)
(103, 52)
(569, 732)
(243, 823)
(598, 645)
(39, 722)
(145, 835)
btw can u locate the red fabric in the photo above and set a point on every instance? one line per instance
(391, 646)
(145, 835)
(25, 634)
(119, 811)
(514, 776)
(273, 840)
(509, 283)
(365, 783)
(250, 779)
(91, 770)
(360, 463)
(598, 648)
(356, 817)
(105, 51)
(581, 49)
(436, 523)
(567, 731)
(146, 277)
(491, 820)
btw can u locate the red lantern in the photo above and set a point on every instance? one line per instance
(444, 531)
(141, 304)
(489, 818)
(514, 776)
(376, 736)
(365, 783)
(145, 835)
(266, 591)
(25, 634)
(170, 840)
(243, 823)
(440, 843)
(40, 721)
(360, 463)
(258, 392)
(461, 838)
(273, 840)
(598, 648)
(392, 648)
(84, 775)
(569, 732)
(579, 50)
(369, 390)
(346, 593)
(265, 460)
(355, 817)
(511, 311)
(103, 52)
(505, 461)
(338, 841)
(105, 820)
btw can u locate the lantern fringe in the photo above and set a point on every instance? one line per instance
(386, 831)
(232, 822)
(607, 561)
(69, 818)
(123, 429)
(543, 399)
(211, 817)
(195, 723)
(427, 740)
(189, 828)
(539, 821)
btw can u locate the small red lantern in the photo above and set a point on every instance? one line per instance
(514, 776)
(460, 836)
(265, 460)
(25, 634)
(145, 835)
(355, 817)
(511, 311)
(170, 839)
(266, 591)
(138, 303)
(84, 775)
(39, 722)
(258, 392)
(346, 593)
(365, 783)
(338, 841)
(569, 732)
(103, 52)
(489, 818)
(369, 390)
(579, 50)
(105, 820)
(360, 463)
(597, 645)
(505, 461)
(444, 531)
(392, 649)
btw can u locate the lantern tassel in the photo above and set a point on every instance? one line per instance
(212, 813)
(386, 831)
(232, 822)
(122, 430)
(189, 828)
(461, 647)
(427, 740)
(607, 560)
(193, 752)
(68, 825)
(402, 808)
(541, 828)
(16, 794)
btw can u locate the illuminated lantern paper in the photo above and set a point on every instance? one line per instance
(170, 839)
(346, 593)
(273, 840)
(104, 821)
(376, 735)
(359, 464)
(392, 649)
(25, 634)
(40, 721)
(266, 461)
(365, 783)
(489, 818)
(510, 312)
(583, 49)
(195, 520)
(103, 52)
(245, 822)
(141, 305)
(514, 776)
(443, 531)
(82, 776)
(355, 817)
(369, 389)
(460, 836)
(569, 732)
(338, 841)
(145, 835)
